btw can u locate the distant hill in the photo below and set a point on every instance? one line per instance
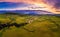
(11, 13)
(33, 12)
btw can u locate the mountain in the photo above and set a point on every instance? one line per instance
(27, 12)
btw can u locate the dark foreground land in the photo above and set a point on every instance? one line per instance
(29, 25)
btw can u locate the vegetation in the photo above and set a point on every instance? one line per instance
(29, 26)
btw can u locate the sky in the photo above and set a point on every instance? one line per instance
(48, 5)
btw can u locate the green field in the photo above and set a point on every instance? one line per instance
(38, 26)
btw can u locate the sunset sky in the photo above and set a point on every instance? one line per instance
(48, 5)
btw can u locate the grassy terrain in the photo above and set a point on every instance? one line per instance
(38, 26)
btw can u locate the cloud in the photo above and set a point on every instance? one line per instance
(52, 5)
(11, 5)
(27, 7)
